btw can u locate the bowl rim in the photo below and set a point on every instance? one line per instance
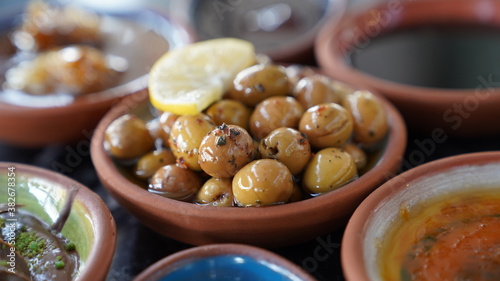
(104, 227)
(352, 257)
(300, 45)
(155, 271)
(117, 184)
(331, 57)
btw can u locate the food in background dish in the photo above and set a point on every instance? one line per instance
(45, 26)
(74, 70)
(59, 52)
(451, 237)
(304, 146)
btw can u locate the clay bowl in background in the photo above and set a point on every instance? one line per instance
(285, 31)
(224, 262)
(458, 112)
(369, 224)
(90, 225)
(272, 226)
(30, 125)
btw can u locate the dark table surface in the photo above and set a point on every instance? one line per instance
(138, 247)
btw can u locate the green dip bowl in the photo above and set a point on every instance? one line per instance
(90, 225)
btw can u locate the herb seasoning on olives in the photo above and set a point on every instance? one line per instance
(278, 135)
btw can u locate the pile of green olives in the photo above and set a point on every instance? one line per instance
(279, 135)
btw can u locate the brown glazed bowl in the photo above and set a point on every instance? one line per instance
(272, 226)
(90, 225)
(222, 261)
(369, 224)
(27, 124)
(457, 112)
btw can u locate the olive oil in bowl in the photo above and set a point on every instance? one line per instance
(434, 56)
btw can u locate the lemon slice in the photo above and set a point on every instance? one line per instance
(188, 79)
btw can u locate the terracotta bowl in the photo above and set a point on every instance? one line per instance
(28, 124)
(224, 262)
(285, 31)
(90, 225)
(459, 112)
(272, 226)
(391, 203)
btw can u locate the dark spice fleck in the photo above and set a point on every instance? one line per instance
(221, 140)
(234, 132)
(259, 87)
(222, 127)
(232, 161)
(303, 138)
(274, 150)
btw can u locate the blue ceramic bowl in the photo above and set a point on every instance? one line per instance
(224, 262)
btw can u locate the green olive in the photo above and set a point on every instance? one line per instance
(369, 116)
(258, 82)
(342, 89)
(230, 112)
(261, 183)
(216, 192)
(127, 137)
(297, 194)
(326, 125)
(357, 153)
(166, 121)
(175, 182)
(288, 146)
(314, 90)
(274, 113)
(149, 163)
(295, 72)
(185, 138)
(225, 150)
(329, 169)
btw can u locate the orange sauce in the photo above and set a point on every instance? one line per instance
(455, 237)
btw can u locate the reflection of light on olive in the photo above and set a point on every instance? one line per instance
(288, 146)
(174, 182)
(314, 90)
(357, 153)
(225, 150)
(256, 83)
(261, 183)
(273, 113)
(127, 137)
(185, 138)
(216, 192)
(149, 163)
(230, 112)
(369, 117)
(329, 169)
(326, 125)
